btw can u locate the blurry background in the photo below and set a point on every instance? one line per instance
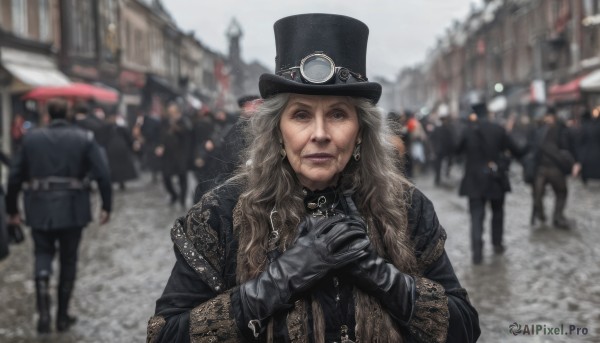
(433, 59)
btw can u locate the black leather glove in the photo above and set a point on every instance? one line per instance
(330, 243)
(382, 280)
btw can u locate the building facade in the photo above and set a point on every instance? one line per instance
(522, 55)
(29, 40)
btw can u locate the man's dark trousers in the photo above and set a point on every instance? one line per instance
(477, 210)
(45, 249)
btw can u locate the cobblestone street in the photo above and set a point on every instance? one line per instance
(122, 270)
(546, 277)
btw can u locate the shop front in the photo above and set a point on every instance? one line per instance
(22, 71)
(567, 97)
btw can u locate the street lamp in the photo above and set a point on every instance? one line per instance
(498, 87)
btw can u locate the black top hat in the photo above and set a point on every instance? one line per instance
(320, 54)
(480, 109)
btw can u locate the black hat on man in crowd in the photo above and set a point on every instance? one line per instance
(480, 109)
(320, 54)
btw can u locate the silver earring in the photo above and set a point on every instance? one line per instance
(356, 153)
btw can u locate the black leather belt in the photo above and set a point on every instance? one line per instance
(53, 183)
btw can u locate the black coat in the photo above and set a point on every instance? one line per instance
(590, 150)
(234, 144)
(93, 124)
(151, 130)
(119, 149)
(483, 142)
(196, 299)
(442, 140)
(217, 164)
(203, 129)
(176, 140)
(4, 237)
(59, 150)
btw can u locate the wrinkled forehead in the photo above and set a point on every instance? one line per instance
(314, 100)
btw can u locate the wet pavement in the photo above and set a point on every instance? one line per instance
(122, 270)
(546, 277)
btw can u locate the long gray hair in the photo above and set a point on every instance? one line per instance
(381, 194)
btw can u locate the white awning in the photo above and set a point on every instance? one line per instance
(591, 83)
(32, 69)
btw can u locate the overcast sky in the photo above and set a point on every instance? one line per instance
(401, 31)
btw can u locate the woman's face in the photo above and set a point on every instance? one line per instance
(319, 134)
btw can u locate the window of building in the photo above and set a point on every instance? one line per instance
(108, 29)
(591, 7)
(45, 15)
(84, 41)
(19, 17)
(138, 39)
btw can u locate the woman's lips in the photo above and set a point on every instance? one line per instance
(319, 157)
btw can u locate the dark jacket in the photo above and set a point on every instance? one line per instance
(151, 129)
(176, 140)
(203, 128)
(234, 144)
(93, 124)
(442, 140)
(64, 151)
(589, 152)
(483, 142)
(550, 147)
(218, 162)
(4, 237)
(119, 149)
(196, 302)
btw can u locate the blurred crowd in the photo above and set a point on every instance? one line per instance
(429, 142)
(169, 144)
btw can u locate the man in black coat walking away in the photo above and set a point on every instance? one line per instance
(54, 162)
(442, 142)
(173, 150)
(486, 176)
(554, 160)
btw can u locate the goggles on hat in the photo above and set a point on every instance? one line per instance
(318, 68)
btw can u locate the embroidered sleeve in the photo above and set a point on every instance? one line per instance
(429, 323)
(155, 324)
(209, 274)
(433, 251)
(203, 225)
(213, 321)
(427, 234)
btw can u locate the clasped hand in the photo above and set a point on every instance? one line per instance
(335, 243)
(327, 244)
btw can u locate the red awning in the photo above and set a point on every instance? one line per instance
(81, 91)
(566, 92)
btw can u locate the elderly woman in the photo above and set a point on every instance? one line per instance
(319, 237)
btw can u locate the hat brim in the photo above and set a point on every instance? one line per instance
(270, 84)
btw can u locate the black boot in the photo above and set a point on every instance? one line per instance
(43, 304)
(63, 319)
